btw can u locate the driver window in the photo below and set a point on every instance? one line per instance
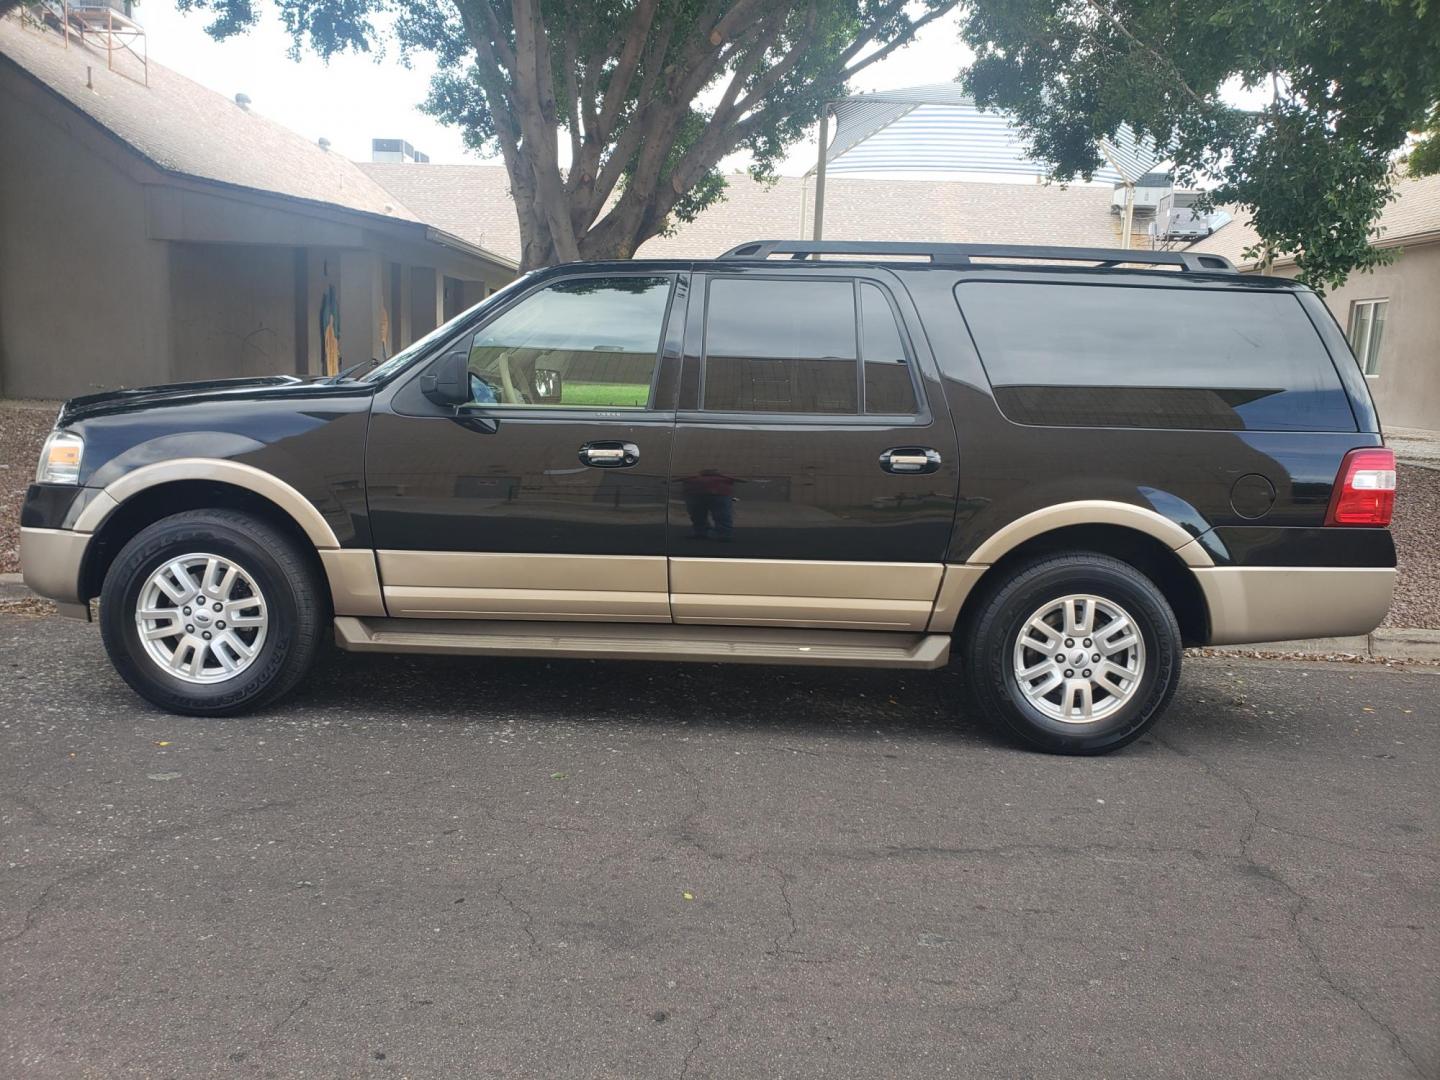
(586, 342)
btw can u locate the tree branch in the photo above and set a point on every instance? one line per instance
(899, 42)
(1160, 59)
(624, 72)
(500, 51)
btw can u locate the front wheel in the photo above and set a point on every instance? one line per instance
(211, 613)
(1074, 654)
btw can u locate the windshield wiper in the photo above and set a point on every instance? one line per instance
(341, 376)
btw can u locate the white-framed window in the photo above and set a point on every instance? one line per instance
(1367, 329)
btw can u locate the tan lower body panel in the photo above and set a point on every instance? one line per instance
(50, 561)
(482, 585)
(815, 594)
(1285, 603)
(354, 581)
(633, 641)
(955, 588)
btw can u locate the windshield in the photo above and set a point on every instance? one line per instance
(444, 330)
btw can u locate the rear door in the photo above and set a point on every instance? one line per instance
(545, 496)
(814, 474)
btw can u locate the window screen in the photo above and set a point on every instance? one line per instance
(1128, 356)
(780, 346)
(586, 342)
(888, 384)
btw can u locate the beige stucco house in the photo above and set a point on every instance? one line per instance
(163, 232)
(1391, 314)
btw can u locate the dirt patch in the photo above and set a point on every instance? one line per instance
(23, 427)
(1417, 541)
(30, 605)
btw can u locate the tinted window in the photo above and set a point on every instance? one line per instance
(585, 342)
(888, 386)
(780, 346)
(1153, 357)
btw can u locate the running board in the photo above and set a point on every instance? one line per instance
(644, 641)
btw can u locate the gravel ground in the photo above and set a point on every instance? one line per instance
(1417, 538)
(23, 427)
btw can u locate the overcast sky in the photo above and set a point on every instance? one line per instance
(355, 98)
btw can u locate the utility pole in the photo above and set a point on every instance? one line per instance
(820, 173)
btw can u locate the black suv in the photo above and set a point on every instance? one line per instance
(1059, 464)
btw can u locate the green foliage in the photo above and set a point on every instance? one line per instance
(649, 94)
(1346, 81)
(1424, 158)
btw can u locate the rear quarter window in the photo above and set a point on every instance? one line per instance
(1131, 356)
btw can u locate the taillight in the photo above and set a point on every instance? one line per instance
(1364, 489)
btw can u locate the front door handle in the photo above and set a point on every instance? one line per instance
(910, 460)
(609, 455)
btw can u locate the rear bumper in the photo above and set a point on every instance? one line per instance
(51, 561)
(1285, 603)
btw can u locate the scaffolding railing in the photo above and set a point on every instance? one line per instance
(99, 24)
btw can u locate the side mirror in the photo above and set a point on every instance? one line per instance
(447, 382)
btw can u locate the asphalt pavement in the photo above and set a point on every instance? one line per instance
(441, 868)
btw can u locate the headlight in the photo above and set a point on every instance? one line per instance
(60, 459)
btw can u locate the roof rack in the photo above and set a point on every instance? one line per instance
(961, 254)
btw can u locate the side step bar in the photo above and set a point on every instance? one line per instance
(644, 641)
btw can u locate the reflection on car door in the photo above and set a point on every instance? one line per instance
(545, 497)
(812, 482)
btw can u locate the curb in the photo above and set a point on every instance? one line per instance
(1386, 643)
(12, 587)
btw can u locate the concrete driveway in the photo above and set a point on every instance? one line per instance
(427, 868)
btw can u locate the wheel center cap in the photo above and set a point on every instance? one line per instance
(202, 617)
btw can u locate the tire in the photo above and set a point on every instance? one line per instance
(274, 601)
(1128, 691)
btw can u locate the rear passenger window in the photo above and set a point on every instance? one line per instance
(1129, 356)
(780, 346)
(888, 386)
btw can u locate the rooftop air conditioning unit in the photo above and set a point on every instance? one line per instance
(1178, 219)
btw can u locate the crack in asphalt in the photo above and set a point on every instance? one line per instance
(698, 1038)
(1300, 902)
(303, 1003)
(146, 839)
(527, 918)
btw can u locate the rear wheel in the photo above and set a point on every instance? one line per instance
(1074, 654)
(212, 612)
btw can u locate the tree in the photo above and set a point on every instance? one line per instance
(1347, 80)
(650, 94)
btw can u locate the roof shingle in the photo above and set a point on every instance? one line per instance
(184, 127)
(473, 202)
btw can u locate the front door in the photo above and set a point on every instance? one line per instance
(545, 496)
(814, 474)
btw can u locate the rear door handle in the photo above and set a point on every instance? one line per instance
(910, 460)
(609, 455)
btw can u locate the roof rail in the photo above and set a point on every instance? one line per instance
(961, 254)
